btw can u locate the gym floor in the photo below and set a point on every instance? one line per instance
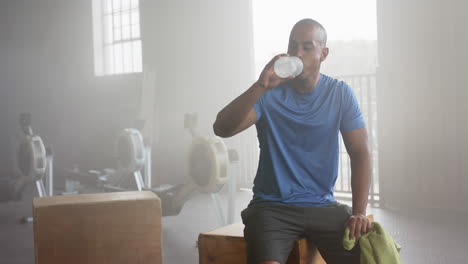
(426, 237)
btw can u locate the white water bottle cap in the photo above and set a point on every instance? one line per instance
(286, 66)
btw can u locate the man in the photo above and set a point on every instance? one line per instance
(298, 121)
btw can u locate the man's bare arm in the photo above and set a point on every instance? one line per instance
(240, 114)
(356, 143)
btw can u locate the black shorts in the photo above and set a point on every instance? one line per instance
(271, 229)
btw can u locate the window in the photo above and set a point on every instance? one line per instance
(117, 37)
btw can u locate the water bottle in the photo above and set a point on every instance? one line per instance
(286, 66)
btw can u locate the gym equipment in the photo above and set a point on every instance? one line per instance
(209, 159)
(133, 156)
(34, 160)
(208, 162)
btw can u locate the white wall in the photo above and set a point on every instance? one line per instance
(202, 53)
(47, 69)
(422, 111)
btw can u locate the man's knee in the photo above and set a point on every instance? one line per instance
(341, 255)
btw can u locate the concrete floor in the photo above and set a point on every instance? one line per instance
(427, 237)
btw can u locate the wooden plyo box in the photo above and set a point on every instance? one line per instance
(226, 245)
(123, 227)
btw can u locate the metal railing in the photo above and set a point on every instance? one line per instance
(364, 87)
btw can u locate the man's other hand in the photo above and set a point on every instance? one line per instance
(358, 225)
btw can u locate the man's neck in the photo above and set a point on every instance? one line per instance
(306, 85)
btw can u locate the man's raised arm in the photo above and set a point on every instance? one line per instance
(240, 114)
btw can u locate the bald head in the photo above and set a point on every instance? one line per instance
(308, 41)
(321, 32)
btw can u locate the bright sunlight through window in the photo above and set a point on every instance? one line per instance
(117, 37)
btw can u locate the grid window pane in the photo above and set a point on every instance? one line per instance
(125, 4)
(135, 17)
(126, 33)
(109, 59)
(118, 58)
(136, 31)
(125, 19)
(117, 34)
(117, 20)
(134, 3)
(121, 45)
(108, 34)
(127, 57)
(137, 63)
(107, 6)
(116, 5)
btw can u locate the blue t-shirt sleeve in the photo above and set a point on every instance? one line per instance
(258, 108)
(351, 115)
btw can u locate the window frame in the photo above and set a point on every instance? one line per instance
(117, 37)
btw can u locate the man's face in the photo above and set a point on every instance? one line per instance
(306, 43)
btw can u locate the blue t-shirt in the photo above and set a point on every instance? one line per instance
(299, 136)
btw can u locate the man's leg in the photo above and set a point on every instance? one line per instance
(326, 230)
(330, 246)
(270, 232)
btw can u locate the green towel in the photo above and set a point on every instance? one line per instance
(377, 247)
